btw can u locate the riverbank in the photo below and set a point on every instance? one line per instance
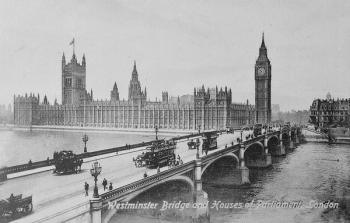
(170, 132)
(311, 135)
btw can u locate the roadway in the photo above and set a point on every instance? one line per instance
(54, 193)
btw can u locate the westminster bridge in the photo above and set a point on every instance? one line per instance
(234, 159)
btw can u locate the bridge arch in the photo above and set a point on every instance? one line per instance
(182, 178)
(220, 157)
(273, 137)
(111, 212)
(272, 144)
(222, 170)
(253, 154)
(257, 147)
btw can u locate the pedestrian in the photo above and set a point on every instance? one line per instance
(86, 189)
(110, 186)
(145, 175)
(158, 169)
(104, 183)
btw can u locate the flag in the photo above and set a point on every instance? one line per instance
(72, 42)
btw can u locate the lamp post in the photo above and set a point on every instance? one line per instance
(156, 128)
(95, 171)
(85, 139)
(197, 152)
(241, 135)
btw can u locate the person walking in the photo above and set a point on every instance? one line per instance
(86, 187)
(104, 183)
(158, 169)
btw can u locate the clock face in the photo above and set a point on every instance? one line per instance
(261, 71)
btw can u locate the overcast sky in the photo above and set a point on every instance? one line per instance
(178, 45)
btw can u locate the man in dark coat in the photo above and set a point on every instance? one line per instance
(104, 183)
(86, 189)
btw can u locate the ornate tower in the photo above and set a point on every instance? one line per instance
(135, 93)
(115, 93)
(73, 81)
(263, 86)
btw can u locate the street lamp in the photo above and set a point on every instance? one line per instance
(197, 152)
(241, 135)
(95, 171)
(85, 139)
(156, 128)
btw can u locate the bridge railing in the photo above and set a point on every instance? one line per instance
(124, 190)
(254, 140)
(24, 167)
(206, 158)
(273, 133)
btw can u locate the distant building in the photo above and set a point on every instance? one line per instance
(207, 108)
(329, 112)
(275, 111)
(6, 114)
(275, 108)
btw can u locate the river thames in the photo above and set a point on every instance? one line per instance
(311, 174)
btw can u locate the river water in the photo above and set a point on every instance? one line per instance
(18, 147)
(311, 173)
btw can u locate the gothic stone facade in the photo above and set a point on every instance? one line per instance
(208, 109)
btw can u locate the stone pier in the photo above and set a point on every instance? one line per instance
(291, 141)
(242, 172)
(281, 149)
(201, 212)
(262, 161)
(95, 210)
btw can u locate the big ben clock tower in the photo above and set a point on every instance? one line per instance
(263, 86)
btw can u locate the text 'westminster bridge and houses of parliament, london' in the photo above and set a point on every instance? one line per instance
(210, 108)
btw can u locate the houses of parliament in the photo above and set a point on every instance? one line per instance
(207, 108)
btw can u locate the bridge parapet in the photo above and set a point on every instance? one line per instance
(132, 187)
(273, 133)
(213, 155)
(254, 140)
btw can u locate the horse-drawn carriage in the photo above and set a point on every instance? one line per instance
(257, 129)
(15, 206)
(193, 144)
(67, 162)
(159, 154)
(209, 141)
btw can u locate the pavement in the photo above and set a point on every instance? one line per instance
(54, 193)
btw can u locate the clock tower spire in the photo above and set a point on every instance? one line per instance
(263, 86)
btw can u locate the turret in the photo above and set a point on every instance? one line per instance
(134, 72)
(45, 100)
(115, 93)
(165, 97)
(263, 51)
(83, 62)
(63, 61)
